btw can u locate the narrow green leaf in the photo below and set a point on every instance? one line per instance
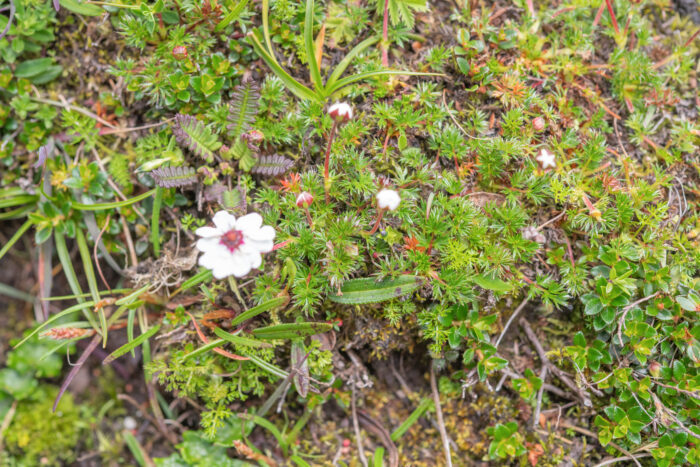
(266, 28)
(490, 283)
(424, 405)
(85, 9)
(136, 449)
(18, 200)
(155, 221)
(315, 70)
(291, 330)
(115, 204)
(338, 85)
(272, 369)
(292, 84)
(126, 348)
(367, 290)
(239, 340)
(345, 62)
(6, 247)
(202, 276)
(67, 264)
(30, 68)
(130, 328)
(53, 318)
(256, 310)
(132, 296)
(231, 15)
(17, 294)
(204, 349)
(91, 280)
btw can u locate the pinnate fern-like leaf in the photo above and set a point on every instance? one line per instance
(194, 135)
(272, 165)
(169, 177)
(243, 108)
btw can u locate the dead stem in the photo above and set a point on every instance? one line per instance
(440, 420)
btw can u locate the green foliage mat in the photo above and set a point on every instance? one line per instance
(260, 213)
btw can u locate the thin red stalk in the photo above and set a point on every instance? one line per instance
(218, 350)
(308, 217)
(385, 35)
(76, 368)
(380, 215)
(326, 170)
(282, 244)
(612, 16)
(599, 14)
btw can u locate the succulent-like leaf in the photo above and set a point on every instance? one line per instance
(243, 108)
(273, 165)
(367, 290)
(194, 135)
(169, 177)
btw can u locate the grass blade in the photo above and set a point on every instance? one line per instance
(129, 346)
(343, 65)
(292, 84)
(53, 319)
(256, 310)
(203, 349)
(231, 16)
(17, 294)
(315, 70)
(6, 247)
(272, 369)
(113, 205)
(239, 340)
(155, 221)
(330, 90)
(67, 264)
(424, 405)
(291, 330)
(92, 280)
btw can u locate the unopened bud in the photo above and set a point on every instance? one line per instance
(654, 369)
(304, 199)
(538, 124)
(340, 112)
(180, 52)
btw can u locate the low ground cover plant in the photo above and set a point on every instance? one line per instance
(315, 233)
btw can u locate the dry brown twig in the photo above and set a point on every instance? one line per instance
(582, 394)
(440, 420)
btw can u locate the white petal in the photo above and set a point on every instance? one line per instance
(264, 234)
(251, 254)
(261, 246)
(208, 232)
(210, 259)
(240, 264)
(224, 221)
(208, 244)
(249, 223)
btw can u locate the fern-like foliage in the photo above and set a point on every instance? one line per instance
(243, 108)
(272, 165)
(169, 177)
(194, 135)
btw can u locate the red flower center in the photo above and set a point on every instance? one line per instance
(232, 240)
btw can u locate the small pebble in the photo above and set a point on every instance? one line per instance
(130, 423)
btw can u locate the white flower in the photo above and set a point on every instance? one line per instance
(340, 112)
(546, 159)
(388, 199)
(233, 247)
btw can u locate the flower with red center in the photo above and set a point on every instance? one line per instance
(234, 246)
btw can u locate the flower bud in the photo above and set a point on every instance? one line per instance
(340, 112)
(304, 199)
(538, 124)
(388, 199)
(180, 52)
(654, 368)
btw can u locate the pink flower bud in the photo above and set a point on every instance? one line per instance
(340, 112)
(304, 199)
(538, 124)
(180, 52)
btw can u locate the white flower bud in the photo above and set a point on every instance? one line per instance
(388, 199)
(341, 112)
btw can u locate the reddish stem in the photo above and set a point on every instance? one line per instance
(380, 215)
(385, 35)
(599, 14)
(531, 8)
(612, 16)
(308, 217)
(328, 158)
